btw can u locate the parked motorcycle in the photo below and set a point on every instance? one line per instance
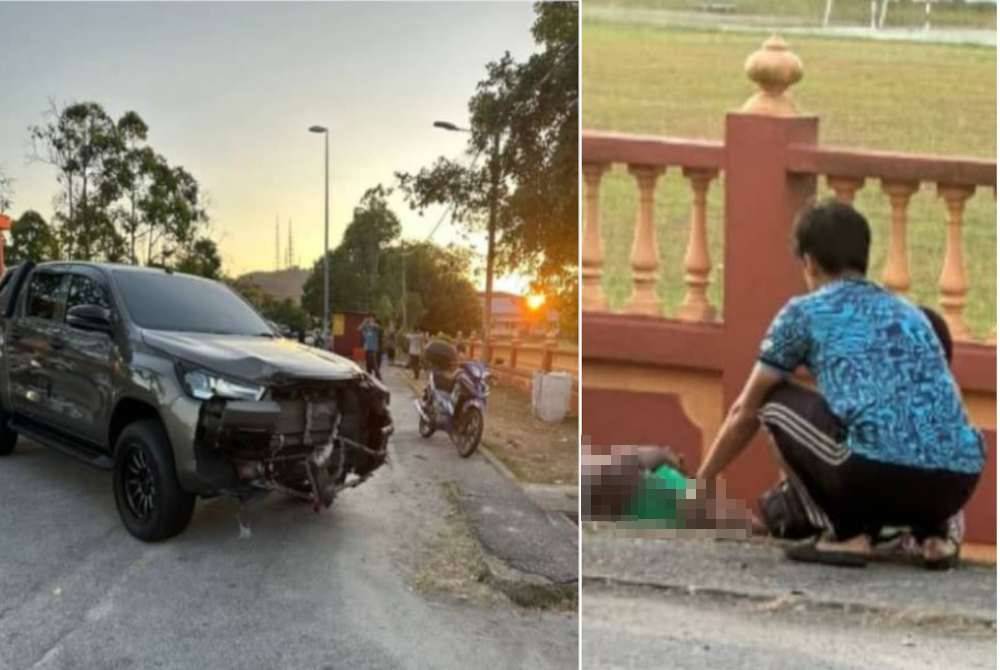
(456, 404)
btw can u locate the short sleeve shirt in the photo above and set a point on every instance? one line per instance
(416, 344)
(882, 371)
(370, 337)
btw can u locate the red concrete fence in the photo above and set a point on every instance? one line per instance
(678, 373)
(515, 360)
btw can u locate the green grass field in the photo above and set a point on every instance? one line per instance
(810, 12)
(891, 96)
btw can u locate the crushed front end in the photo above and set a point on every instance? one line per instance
(306, 438)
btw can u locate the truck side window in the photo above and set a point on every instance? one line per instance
(86, 291)
(43, 295)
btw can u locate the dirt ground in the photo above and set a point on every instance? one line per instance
(535, 451)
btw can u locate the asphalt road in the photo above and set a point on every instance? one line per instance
(629, 629)
(330, 590)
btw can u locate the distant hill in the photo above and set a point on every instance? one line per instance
(280, 284)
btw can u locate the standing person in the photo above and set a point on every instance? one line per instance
(381, 348)
(885, 441)
(369, 340)
(415, 341)
(390, 343)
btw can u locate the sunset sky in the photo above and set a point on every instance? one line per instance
(229, 90)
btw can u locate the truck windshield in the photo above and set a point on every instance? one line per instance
(188, 304)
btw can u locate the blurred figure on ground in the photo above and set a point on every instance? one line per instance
(648, 485)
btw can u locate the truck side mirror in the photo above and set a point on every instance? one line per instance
(89, 317)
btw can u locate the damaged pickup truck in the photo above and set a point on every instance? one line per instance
(176, 385)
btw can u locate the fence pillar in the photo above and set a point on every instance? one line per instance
(761, 203)
(515, 342)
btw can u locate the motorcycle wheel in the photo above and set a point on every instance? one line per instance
(469, 432)
(426, 428)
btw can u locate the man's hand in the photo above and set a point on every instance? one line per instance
(741, 422)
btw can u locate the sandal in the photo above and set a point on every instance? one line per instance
(808, 552)
(947, 562)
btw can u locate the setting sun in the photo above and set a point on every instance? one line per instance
(535, 300)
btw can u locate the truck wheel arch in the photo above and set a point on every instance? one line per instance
(129, 410)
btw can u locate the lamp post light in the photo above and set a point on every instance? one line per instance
(327, 335)
(491, 229)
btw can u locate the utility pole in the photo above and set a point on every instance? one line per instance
(490, 243)
(277, 244)
(402, 256)
(327, 334)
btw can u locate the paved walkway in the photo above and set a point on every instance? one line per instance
(756, 570)
(508, 524)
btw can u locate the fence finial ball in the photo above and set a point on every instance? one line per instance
(773, 68)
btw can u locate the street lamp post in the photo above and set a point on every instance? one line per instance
(491, 230)
(327, 335)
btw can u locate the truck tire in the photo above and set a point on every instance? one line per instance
(150, 500)
(8, 437)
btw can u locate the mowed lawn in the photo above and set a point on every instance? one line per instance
(810, 12)
(890, 96)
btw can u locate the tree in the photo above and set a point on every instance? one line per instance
(355, 263)
(366, 274)
(528, 113)
(31, 239)
(82, 141)
(202, 258)
(6, 192)
(135, 172)
(439, 276)
(115, 189)
(283, 312)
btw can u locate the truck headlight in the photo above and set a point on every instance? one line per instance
(203, 385)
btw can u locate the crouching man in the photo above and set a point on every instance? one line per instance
(885, 441)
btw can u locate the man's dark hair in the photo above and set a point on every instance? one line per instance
(836, 235)
(941, 329)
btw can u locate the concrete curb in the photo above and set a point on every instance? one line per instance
(914, 617)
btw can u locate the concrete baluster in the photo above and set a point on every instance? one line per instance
(896, 275)
(645, 253)
(697, 263)
(953, 285)
(844, 188)
(592, 251)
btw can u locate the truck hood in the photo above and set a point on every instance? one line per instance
(262, 360)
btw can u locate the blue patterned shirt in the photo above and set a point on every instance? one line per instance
(882, 371)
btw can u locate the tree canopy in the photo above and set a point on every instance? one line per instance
(531, 108)
(31, 239)
(6, 193)
(366, 274)
(119, 200)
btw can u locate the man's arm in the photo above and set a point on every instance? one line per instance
(741, 423)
